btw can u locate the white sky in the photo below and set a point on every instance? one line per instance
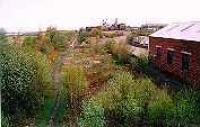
(29, 15)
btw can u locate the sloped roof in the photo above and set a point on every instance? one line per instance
(185, 31)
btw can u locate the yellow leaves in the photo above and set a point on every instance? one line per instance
(52, 56)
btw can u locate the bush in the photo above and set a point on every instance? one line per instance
(74, 80)
(112, 34)
(130, 39)
(44, 70)
(109, 45)
(97, 49)
(43, 45)
(93, 115)
(187, 108)
(82, 36)
(3, 40)
(44, 114)
(183, 111)
(96, 33)
(160, 109)
(125, 98)
(57, 39)
(29, 42)
(121, 53)
(141, 62)
(24, 77)
(4, 120)
(118, 89)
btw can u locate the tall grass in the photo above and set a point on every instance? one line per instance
(160, 109)
(187, 110)
(74, 83)
(120, 51)
(74, 80)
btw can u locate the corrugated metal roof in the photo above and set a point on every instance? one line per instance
(185, 31)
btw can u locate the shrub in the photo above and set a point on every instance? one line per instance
(57, 39)
(121, 53)
(93, 115)
(3, 40)
(112, 34)
(43, 44)
(131, 37)
(82, 36)
(96, 33)
(68, 35)
(53, 56)
(129, 100)
(125, 98)
(160, 109)
(29, 42)
(74, 80)
(187, 108)
(4, 120)
(109, 45)
(142, 90)
(60, 41)
(140, 62)
(45, 112)
(143, 62)
(97, 49)
(44, 70)
(24, 78)
(118, 89)
(46, 48)
(74, 83)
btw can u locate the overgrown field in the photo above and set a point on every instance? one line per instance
(72, 79)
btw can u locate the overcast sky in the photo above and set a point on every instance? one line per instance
(29, 15)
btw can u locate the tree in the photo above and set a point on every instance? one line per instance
(55, 38)
(51, 33)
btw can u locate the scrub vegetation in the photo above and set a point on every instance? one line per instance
(68, 78)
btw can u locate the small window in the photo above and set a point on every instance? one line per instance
(185, 61)
(159, 52)
(170, 57)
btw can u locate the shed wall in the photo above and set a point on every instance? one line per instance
(193, 74)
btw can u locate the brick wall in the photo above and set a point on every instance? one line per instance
(193, 74)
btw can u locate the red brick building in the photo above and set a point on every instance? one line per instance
(176, 49)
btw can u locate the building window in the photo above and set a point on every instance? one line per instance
(170, 57)
(159, 52)
(185, 61)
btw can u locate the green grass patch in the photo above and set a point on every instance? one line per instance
(45, 112)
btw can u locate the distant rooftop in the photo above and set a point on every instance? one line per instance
(184, 31)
